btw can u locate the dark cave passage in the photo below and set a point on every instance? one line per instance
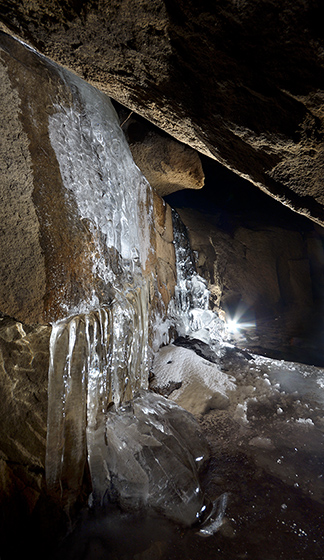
(289, 324)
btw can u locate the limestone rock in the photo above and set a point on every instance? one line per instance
(240, 81)
(168, 165)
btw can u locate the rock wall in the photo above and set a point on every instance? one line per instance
(241, 81)
(23, 388)
(271, 272)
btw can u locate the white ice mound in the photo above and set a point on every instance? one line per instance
(199, 384)
(153, 456)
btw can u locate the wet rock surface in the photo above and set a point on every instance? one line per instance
(240, 81)
(24, 366)
(23, 417)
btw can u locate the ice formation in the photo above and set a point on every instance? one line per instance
(146, 452)
(97, 169)
(98, 354)
(190, 307)
(153, 458)
(96, 358)
(216, 517)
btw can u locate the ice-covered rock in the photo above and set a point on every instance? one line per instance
(190, 307)
(203, 386)
(153, 454)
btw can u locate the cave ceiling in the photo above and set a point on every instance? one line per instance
(238, 80)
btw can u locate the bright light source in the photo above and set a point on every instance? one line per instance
(235, 322)
(232, 326)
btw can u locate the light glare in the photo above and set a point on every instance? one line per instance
(232, 326)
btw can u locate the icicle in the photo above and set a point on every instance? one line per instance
(96, 359)
(66, 442)
(99, 388)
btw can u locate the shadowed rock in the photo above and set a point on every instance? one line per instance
(240, 81)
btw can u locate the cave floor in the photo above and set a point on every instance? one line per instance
(267, 455)
(267, 517)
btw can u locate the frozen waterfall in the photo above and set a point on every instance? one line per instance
(96, 359)
(190, 307)
(98, 354)
(147, 452)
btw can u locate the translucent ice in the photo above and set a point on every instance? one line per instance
(96, 359)
(153, 455)
(98, 354)
(216, 518)
(190, 306)
(98, 170)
